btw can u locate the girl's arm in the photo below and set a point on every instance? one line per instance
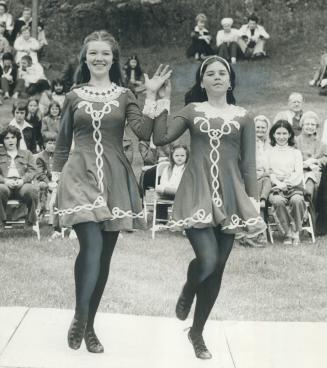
(140, 123)
(65, 136)
(248, 157)
(167, 129)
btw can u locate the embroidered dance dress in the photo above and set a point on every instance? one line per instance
(97, 182)
(220, 175)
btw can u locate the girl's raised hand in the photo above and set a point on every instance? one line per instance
(156, 82)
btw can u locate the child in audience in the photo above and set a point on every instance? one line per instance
(51, 121)
(44, 161)
(294, 113)
(31, 78)
(314, 152)
(200, 46)
(171, 177)
(28, 140)
(133, 75)
(34, 117)
(320, 77)
(8, 75)
(26, 45)
(286, 174)
(58, 93)
(227, 41)
(253, 38)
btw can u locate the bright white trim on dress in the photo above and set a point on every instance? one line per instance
(93, 94)
(198, 216)
(87, 93)
(236, 222)
(215, 136)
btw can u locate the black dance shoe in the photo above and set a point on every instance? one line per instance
(93, 345)
(199, 346)
(76, 332)
(183, 306)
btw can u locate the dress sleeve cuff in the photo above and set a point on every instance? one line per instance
(55, 176)
(162, 104)
(149, 108)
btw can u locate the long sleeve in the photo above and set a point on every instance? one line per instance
(296, 177)
(219, 38)
(263, 33)
(168, 130)
(30, 169)
(248, 157)
(65, 136)
(141, 124)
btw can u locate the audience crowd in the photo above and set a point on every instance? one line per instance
(291, 150)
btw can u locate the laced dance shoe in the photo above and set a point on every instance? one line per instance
(93, 345)
(199, 346)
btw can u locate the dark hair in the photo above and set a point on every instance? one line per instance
(38, 112)
(54, 103)
(253, 17)
(171, 153)
(199, 94)
(57, 81)
(82, 74)
(128, 69)
(14, 131)
(282, 124)
(25, 28)
(49, 136)
(20, 105)
(7, 56)
(27, 58)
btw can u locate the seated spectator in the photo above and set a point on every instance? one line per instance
(253, 38)
(133, 75)
(262, 125)
(200, 46)
(31, 78)
(8, 75)
(294, 113)
(42, 39)
(7, 19)
(314, 152)
(58, 93)
(171, 177)
(25, 44)
(17, 171)
(28, 139)
(44, 162)
(24, 20)
(4, 44)
(320, 77)
(227, 41)
(34, 118)
(286, 174)
(51, 122)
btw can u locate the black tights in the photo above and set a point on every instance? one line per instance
(205, 272)
(92, 267)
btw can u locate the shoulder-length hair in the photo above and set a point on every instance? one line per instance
(282, 124)
(53, 103)
(199, 94)
(12, 130)
(82, 74)
(38, 112)
(128, 69)
(171, 153)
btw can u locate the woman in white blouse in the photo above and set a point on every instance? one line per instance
(286, 175)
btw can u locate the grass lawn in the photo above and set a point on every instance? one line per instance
(275, 283)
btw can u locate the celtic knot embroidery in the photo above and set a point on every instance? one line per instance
(119, 213)
(198, 216)
(215, 139)
(236, 222)
(99, 202)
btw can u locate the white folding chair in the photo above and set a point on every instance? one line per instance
(10, 224)
(158, 200)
